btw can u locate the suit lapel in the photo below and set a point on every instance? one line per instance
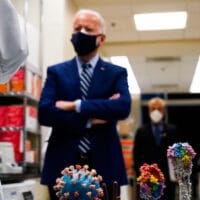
(73, 75)
(97, 78)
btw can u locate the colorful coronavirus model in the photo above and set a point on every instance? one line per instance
(81, 184)
(181, 155)
(151, 182)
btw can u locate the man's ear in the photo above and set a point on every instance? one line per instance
(102, 39)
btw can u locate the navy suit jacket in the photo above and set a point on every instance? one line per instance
(63, 83)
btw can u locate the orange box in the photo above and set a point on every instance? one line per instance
(4, 87)
(36, 86)
(127, 151)
(127, 142)
(127, 160)
(17, 85)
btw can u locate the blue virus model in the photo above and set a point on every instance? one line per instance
(81, 184)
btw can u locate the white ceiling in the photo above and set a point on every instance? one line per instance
(163, 61)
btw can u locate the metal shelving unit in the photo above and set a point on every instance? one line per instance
(24, 99)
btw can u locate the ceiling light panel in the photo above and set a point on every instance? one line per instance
(160, 21)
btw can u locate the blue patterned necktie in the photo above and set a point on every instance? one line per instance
(85, 79)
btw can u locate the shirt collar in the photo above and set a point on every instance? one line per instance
(93, 61)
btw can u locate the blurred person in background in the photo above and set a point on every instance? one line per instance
(152, 141)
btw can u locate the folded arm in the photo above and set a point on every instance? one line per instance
(71, 106)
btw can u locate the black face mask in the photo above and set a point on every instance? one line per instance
(83, 43)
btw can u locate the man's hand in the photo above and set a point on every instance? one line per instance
(66, 105)
(98, 121)
(115, 96)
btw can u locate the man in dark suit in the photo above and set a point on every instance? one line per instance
(152, 141)
(73, 114)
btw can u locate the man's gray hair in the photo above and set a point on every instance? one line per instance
(97, 14)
